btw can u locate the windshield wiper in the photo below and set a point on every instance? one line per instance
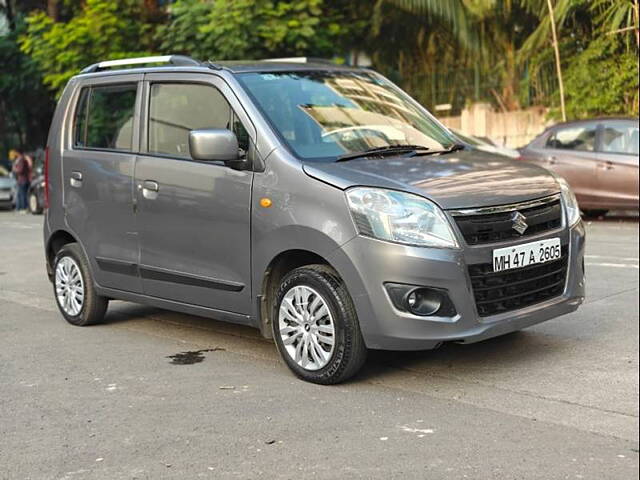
(452, 148)
(388, 150)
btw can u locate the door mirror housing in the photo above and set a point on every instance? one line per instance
(216, 144)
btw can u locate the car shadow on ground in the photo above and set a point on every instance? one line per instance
(450, 359)
(614, 217)
(510, 350)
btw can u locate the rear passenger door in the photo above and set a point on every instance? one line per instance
(570, 151)
(193, 216)
(617, 171)
(98, 162)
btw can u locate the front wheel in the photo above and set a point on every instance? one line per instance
(74, 290)
(315, 326)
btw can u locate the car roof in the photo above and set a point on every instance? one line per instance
(593, 120)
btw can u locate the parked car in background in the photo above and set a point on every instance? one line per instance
(7, 189)
(486, 146)
(599, 159)
(35, 196)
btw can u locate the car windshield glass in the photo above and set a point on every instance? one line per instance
(322, 115)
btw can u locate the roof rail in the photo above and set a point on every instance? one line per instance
(177, 60)
(299, 60)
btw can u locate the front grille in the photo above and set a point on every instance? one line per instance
(498, 292)
(498, 227)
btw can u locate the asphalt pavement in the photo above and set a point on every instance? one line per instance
(153, 394)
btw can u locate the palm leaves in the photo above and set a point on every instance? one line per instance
(452, 12)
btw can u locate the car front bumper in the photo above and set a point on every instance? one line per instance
(367, 264)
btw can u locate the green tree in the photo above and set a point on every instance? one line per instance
(602, 80)
(234, 29)
(103, 29)
(601, 68)
(25, 104)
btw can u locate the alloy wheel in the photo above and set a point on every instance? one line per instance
(306, 327)
(69, 286)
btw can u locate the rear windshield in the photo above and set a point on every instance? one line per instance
(321, 115)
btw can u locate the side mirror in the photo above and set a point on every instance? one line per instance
(215, 144)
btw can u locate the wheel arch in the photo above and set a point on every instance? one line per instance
(56, 241)
(277, 268)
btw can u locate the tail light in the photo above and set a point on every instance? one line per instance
(46, 177)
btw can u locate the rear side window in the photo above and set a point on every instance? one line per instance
(177, 108)
(620, 138)
(104, 117)
(580, 138)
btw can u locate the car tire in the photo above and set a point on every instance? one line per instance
(312, 306)
(34, 204)
(595, 213)
(74, 289)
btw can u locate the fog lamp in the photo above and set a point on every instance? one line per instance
(424, 301)
(421, 301)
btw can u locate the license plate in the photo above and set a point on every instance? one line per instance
(5, 195)
(526, 254)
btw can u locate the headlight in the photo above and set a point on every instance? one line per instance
(570, 203)
(399, 217)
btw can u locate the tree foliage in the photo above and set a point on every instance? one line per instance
(25, 104)
(441, 51)
(602, 79)
(233, 29)
(102, 30)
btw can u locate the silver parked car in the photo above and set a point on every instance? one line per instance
(599, 159)
(7, 189)
(317, 203)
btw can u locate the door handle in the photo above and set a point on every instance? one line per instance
(151, 185)
(552, 160)
(606, 165)
(76, 179)
(150, 189)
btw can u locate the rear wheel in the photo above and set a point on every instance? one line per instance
(74, 289)
(34, 205)
(315, 326)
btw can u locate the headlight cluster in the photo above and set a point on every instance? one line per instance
(570, 203)
(399, 217)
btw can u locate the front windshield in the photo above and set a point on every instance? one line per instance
(322, 115)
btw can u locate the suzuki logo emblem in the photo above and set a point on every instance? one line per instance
(519, 224)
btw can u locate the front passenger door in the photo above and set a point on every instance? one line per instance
(193, 216)
(570, 151)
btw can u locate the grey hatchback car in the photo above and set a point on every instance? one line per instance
(317, 203)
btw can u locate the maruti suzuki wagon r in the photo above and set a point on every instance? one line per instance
(317, 203)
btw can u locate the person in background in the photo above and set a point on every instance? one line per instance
(29, 159)
(22, 171)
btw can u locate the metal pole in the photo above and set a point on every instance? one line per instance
(557, 53)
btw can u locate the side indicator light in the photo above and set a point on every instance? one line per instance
(265, 202)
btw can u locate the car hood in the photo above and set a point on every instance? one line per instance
(463, 179)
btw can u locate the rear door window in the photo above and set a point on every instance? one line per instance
(177, 108)
(579, 137)
(104, 117)
(620, 138)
